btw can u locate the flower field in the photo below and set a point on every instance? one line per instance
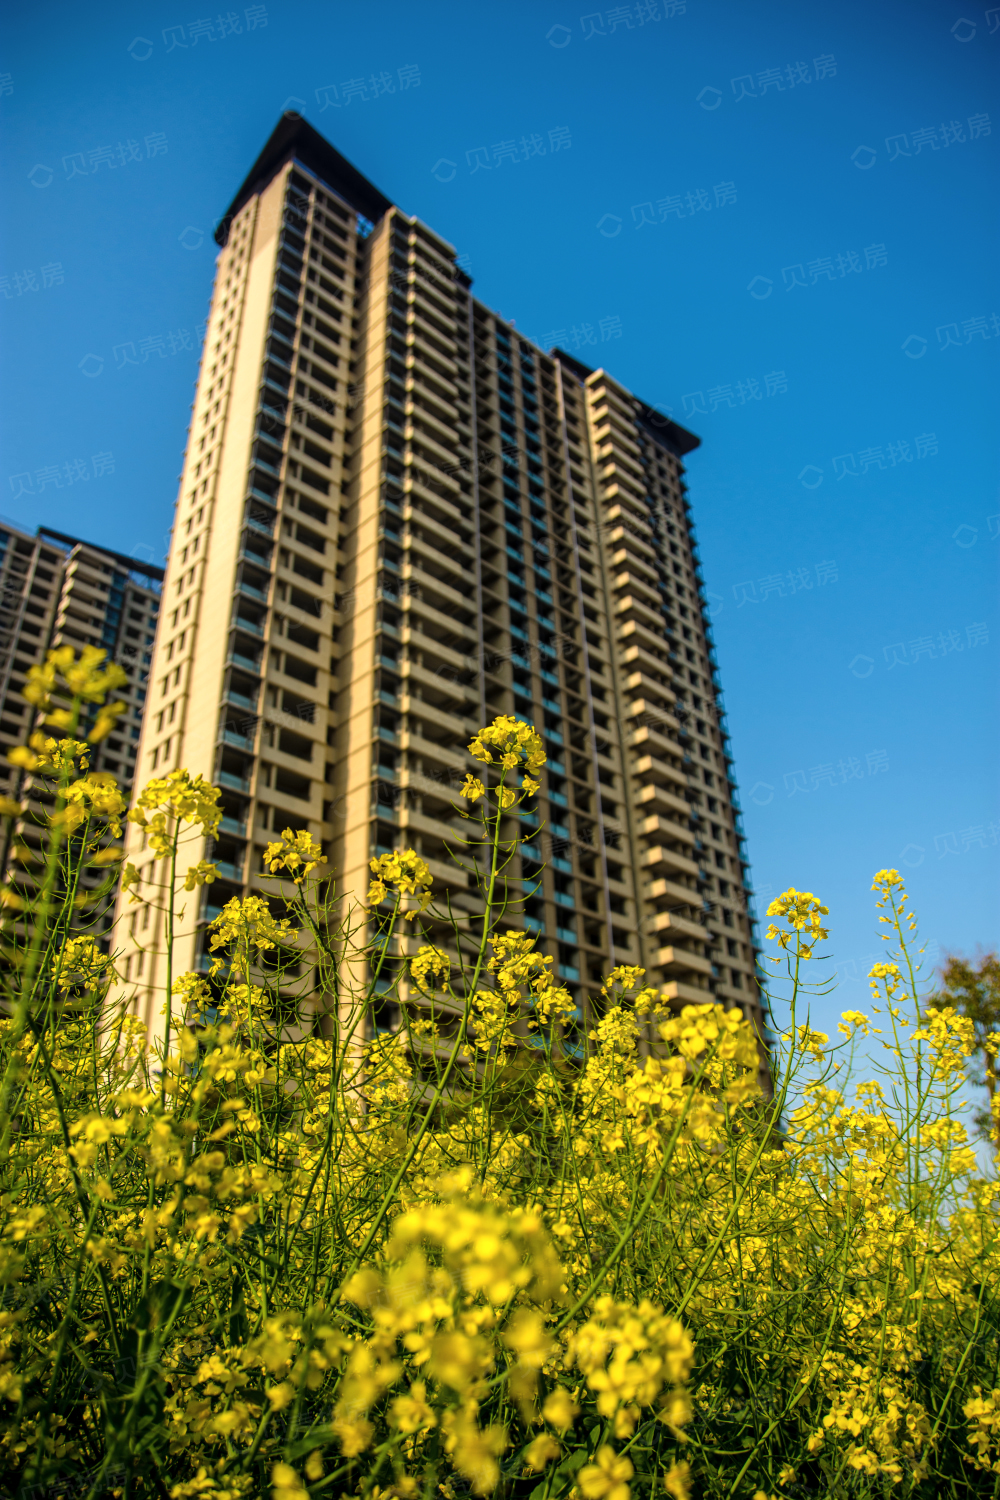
(292, 1255)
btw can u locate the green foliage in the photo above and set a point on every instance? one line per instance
(974, 991)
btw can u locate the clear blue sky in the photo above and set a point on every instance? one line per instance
(787, 106)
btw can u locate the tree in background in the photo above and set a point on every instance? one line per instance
(975, 994)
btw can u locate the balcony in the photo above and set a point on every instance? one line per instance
(251, 591)
(232, 782)
(671, 889)
(237, 739)
(228, 871)
(248, 663)
(676, 989)
(233, 826)
(655, 824)
(656, 794)
(258, 523)
(241, 700)
(682, 960)
(279, 354)
(252, 627)
(677, 927)
(665, 858)
(262, 463)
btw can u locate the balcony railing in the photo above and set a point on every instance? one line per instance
(234, 737)
(252, 591)
(266, 528)
(257, 490)
(261, 463)
(250, 626)
(240, 699)
(248, 663)
(232, 782)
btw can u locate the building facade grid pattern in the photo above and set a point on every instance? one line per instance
(398, 519)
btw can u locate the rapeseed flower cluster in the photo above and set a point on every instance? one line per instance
(430, 968)
(296, 853)
(513, 746)
(803, 912)
(175, 799)
(404, 873)
(82, 679)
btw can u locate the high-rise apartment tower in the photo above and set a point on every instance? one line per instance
(398, 519)
(56, 590)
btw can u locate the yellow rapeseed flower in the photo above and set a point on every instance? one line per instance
(802, 910)
(203, 873)
(181, 798)
(82, 963)
(541, 1451)
(286, 1484)
(430, 968)
(560, 1410)
(607, 1479)
(404, 872)
(677, 1481)
(248, 923)
(83, 676)
(297, 853)
(510, 742)
(95, 795)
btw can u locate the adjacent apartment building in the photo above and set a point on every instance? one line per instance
(57, 590)
(398, 519)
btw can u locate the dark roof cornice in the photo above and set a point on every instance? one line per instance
(293, 138)
(662, 428)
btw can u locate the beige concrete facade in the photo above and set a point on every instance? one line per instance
(398, 519)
